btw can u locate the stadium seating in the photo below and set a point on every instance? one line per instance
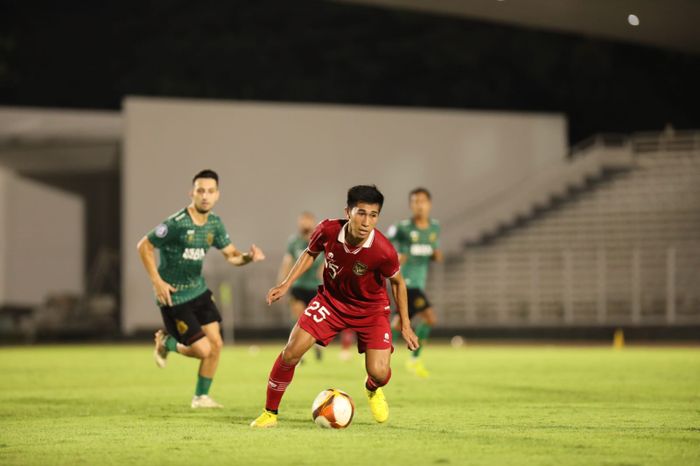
(610, 239)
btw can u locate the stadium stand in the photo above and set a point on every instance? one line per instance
(610, 239)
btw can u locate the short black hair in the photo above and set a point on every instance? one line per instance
(420, 190)
(369, 194)
(206, 174)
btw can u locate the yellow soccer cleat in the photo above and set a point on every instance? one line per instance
(416, 367)
(265, 420)
(378, 405)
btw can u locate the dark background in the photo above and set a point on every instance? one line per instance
(84, 54)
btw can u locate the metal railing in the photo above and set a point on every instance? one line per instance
(641, 142)
(625, 254)
(568, 287)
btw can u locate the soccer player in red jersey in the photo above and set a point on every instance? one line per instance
(358, 260)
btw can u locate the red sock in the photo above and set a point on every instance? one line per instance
(280, 377)
(346, 339)
(372, 384)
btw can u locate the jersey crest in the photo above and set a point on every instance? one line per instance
(359, 268)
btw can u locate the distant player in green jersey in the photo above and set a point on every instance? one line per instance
(417, 240)
(306, 286)
(186, 305)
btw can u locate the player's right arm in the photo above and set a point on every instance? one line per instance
(161, 288)
(304, 263)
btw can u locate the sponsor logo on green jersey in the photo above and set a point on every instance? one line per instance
(194, 254)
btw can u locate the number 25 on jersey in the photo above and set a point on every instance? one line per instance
(319, 316)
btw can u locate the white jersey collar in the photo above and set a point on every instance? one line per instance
(367, 244)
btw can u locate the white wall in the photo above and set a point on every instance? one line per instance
(42, 243)
(276, 160)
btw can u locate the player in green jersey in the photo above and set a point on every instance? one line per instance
(306, 286)
(417, 240)
(187, 306)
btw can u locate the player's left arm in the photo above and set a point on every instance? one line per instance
(222, 241)
(236, 257)
(398, 289)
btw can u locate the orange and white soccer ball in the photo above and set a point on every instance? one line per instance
(333, 408)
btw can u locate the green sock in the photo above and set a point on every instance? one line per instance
(170, 343)
(203, 385)
(422, 332)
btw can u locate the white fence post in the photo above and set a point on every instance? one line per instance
(535, 313)
(471, 289)
(636, 285)
(568, 290)
(502, 287)
(671, 285)
(602, 301)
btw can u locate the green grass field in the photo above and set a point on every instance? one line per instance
(485, 405)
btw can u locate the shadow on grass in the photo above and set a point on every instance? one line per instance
(305, 423)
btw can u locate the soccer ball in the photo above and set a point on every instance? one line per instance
(333, 408)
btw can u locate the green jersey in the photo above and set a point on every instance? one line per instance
(182, 246)
(310, 279)
(418, 245)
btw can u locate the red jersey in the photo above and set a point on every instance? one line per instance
(354, 277)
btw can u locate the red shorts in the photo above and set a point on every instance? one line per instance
(324, 322)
